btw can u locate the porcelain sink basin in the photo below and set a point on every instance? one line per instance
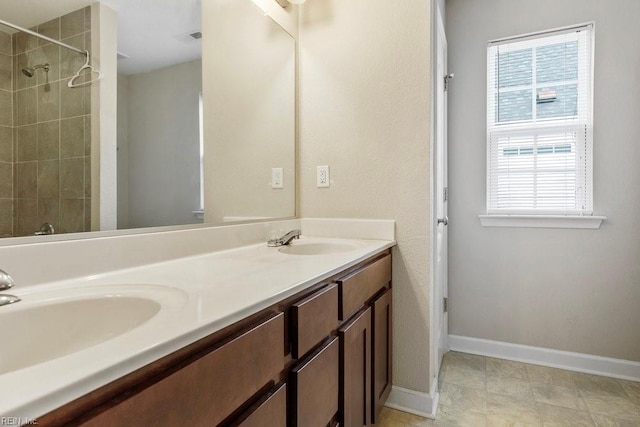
(302, 247)
(45, 330)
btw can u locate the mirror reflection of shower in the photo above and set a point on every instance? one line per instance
(46, 124)
(31, 71)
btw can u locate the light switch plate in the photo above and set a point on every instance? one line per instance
(323, 178)
(277, 178)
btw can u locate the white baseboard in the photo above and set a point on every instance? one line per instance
(580, 362)
(414, 402)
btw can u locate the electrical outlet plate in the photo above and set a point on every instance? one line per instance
(323, 178)
(277, 178)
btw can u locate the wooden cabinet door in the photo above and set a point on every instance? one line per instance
(355, 371)
(314, 387)
(269, 411)
(381, 352)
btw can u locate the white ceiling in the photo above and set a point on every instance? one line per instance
(153, 33)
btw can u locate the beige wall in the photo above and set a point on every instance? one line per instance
(249, 109)
(162, 147)
(104, 99)
(365, 111)
(575, 290)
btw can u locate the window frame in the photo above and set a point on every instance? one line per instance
(582, 122)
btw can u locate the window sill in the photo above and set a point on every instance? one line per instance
(542, 221)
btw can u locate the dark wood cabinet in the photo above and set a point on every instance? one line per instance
(381, 352)
(321, 357)
(360, 286)
(366, 342)
(313, 319)
(355, 370)
(270, 410)
(208, 390)
(314, 386)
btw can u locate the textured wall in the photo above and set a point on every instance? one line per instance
(164, 145)
(576, 290)
(364, 111)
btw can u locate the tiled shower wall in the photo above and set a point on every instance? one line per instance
(51, 131)
(6, 135)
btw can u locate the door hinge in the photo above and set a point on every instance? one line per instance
(445, 305)
(446, 81)
(445, 194)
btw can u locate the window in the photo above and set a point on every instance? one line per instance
(539, 124)
(201, 125)
(199, 213)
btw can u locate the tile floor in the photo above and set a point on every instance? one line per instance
(477, 391)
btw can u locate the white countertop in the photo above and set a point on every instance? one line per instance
(206, 293)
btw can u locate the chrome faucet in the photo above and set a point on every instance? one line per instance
(284, 240)
(45, 230)
(6, 282)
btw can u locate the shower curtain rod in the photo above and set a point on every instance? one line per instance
(49, 39)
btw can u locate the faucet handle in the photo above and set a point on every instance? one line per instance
(45, 230)
(6, 281)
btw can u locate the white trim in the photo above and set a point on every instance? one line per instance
(542, 221)
(579, 362)
(226, 219)
(580, 169)
(570, 28)
(414, 402)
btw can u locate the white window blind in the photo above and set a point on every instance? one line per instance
(539, 123)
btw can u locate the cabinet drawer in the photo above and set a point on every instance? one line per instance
(314, 386)
(359, 287)
(209, 389)
(272, 410)
(313, 319)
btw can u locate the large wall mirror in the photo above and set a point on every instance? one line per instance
(205, 117)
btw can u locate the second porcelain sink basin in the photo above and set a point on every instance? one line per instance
(302, 247)
(43, 329)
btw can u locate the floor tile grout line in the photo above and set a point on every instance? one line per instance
(574, 388)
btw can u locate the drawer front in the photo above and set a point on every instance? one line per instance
(208, 390)
(357, 288)
(314, 388)
(313, 319)
(271, 412)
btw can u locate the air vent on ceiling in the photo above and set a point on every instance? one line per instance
(193, 36)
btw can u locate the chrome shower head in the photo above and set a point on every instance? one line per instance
(30, 71)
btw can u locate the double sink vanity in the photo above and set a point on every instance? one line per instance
(251, 335)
